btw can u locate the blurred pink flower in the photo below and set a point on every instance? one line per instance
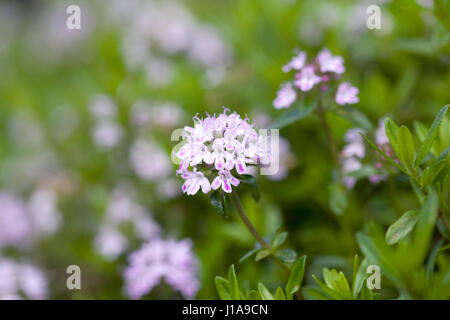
(381, 138)
(329, 63)
(21, 280)
(355, 145)
(296, 63)
(347, 94)
(15, 225)
(377, 178)
(306, 79)
(160, 259)
(149, 161)
(103, 107)
(44, 213)
(110, 243)
(107, 134)
(285, 97)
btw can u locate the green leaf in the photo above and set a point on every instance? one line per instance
(253, 295)
(223, 288)
(250, 181)
(279, 294)
(278, 240)
(426, 225)
(406, 147)
(443, 154)
(249, 254)
(402, 227)
(432, 258)
(263, 254)
(329, 291)
(431, 172)
(430, 137)
(338, 198)
(264, 292)
(337, 281)
(234, 287)
(216, 200)
(366, 294)
(355, 272)
(359, 278)
(388, 159)
(363, 172)
(296, 277)
(355, 116)
(316, 293)
(375, 253)
(286, 255)
(293, 115)
(421, 131)
(392, 133)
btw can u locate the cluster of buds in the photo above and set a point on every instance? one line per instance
(216, 147)
(323, 69)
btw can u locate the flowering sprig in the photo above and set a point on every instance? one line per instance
(216, 150)
(313, 83)
(325, 69)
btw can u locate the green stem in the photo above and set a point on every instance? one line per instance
(326, 128)
(237, 203)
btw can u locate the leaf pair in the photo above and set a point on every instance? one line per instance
(335, 285)
(285, 255)
(402, 142)
(228, 289)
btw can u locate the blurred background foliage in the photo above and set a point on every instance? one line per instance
(49, 76)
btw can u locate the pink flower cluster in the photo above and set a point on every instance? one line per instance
(351, 156)
(21, 280)
(160, 259)
(217, 145)
(324, 68)
(122, 210)
(354, 151)
(23, 222)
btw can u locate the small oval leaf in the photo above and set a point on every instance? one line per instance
(399, 229)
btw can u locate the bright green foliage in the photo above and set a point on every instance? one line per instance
(335, 285)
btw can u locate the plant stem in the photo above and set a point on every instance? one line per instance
(237, 203)
(326, 128)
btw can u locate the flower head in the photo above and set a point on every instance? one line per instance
(214, 147)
